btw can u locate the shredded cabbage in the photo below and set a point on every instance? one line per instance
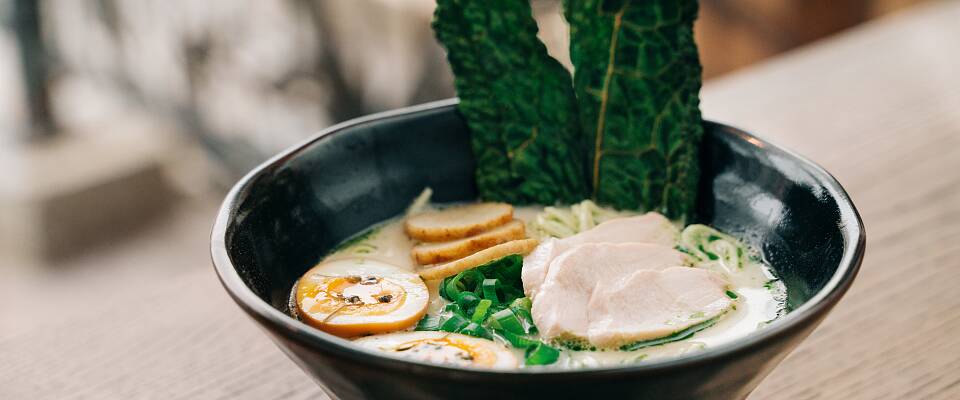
(561, 222)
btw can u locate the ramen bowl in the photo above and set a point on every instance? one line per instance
(286, 214)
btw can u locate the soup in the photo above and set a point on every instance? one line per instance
(489, 285)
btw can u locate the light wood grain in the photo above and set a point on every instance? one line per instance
(879, 107)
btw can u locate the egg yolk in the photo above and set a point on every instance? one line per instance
(352, 295)
(447, 351)
(355, 297)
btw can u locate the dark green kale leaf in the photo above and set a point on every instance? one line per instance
(637, 78)
(517, 100)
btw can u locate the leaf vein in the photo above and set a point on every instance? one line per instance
(605, 95)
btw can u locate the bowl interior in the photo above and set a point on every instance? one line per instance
(293, 210)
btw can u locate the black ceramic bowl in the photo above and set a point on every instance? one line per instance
(281, 218)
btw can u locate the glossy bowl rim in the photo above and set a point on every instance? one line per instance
(263, 312)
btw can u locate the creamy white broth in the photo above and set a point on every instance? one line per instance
(761, 298)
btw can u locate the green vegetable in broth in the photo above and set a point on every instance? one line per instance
(541, 354)
(517, 100)
(488, 302)
(637, 82)
(674, 337)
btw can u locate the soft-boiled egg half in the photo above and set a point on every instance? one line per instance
(357, 296)
(443, 348)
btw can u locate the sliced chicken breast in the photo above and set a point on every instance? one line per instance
(651, 228)
(535, 265)
(651, 304)
(560, 305)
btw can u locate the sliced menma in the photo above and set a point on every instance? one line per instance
(479, 258)
(457, 222)
(432, 253)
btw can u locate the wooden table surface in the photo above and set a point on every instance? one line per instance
(878, 106)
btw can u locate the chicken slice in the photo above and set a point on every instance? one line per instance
(535, 266)
(651, 228)
(652, 304)
(560, 306)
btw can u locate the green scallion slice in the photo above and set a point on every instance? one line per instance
(466, 300)
(541, 354)
(476, 330)
(489, 287)
(454, 308)
(465, 281)
(518, 341)
(429, 323)
(521, 308)
(480, 313)
(455, 323)
(523, 303)
(505, 319)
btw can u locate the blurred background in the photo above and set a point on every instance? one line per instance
(122, 123)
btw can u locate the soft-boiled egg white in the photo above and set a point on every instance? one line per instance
(357, 296)
(443, 348)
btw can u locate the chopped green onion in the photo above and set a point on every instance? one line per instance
(466, 300)
(523, 303)
(518, 341)
(505, 319)
(490, 290)
(474, 329)
(506, 269)
(454, 324)
(541, 354)
(454, 309)
(450, 289)
(480, 313)
(453, 286)
(429, 323)
(488, 301)
(732, 295)
(521, 307)
(710, 255)
(510, 293)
